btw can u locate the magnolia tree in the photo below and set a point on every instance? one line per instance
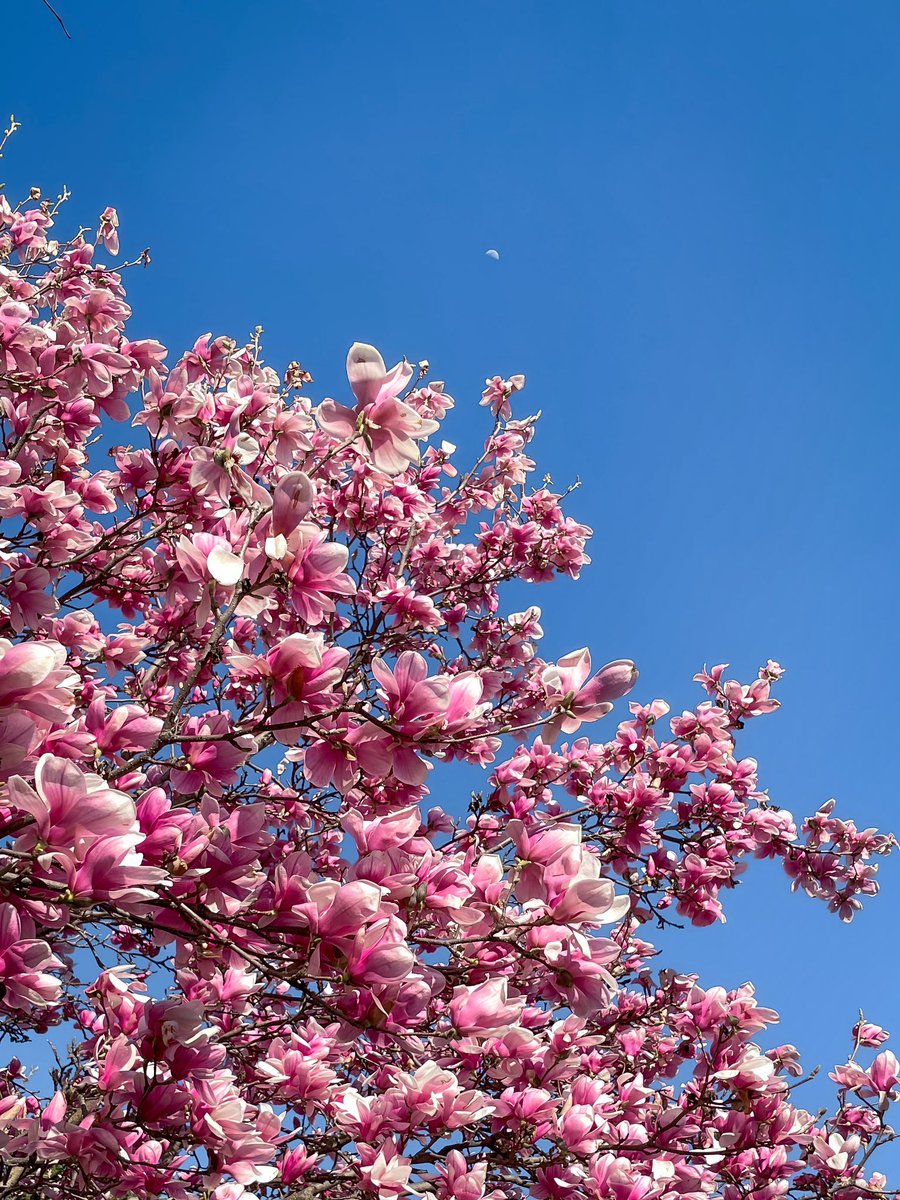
(249, 945)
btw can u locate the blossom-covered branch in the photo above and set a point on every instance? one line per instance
(240, 633)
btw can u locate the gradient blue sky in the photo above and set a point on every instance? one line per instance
(697, 210)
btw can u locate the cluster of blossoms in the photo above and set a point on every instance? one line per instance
(232, 654)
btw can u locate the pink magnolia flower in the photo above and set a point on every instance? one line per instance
(296, 1163)
(497, 393)
(211, 764)
(458, 1181)
(752, 1070)
(217, 471)
(559, 871)
(296, 1067)
(119, 1062)
(465, 706)
(24, 963)
(414, 700)
(243, 1137)
(101, 371)
(127, 727)
(869, 1034)
(124, 650)
(752, 700)
(884, 1073)
(103, 312)
(579, 698)
(388, 427)
(336, 911)
(108, 232)
(20, 340)
(589, 899)
(485, 1009)
(580, 967)
(343, 749)
(71, 808)
(28, 598)
(34, 678)
(169, 1026)
(834, 1153)
(19, 736)
(303, 671)
(207, 557)
(112, 868)
(316, 570)
(425, 707)
(435, 1098)
(380, 954)
(386, 1171)
(292, 500)
(384, 832)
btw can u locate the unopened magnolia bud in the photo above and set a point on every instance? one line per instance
(615, 680)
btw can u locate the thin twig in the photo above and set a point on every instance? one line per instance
(62, 23)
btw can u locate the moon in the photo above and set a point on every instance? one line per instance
(494, 254)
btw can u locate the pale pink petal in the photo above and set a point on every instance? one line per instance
(335, 419)
(291, 501)
(226, 568)
(366, 372)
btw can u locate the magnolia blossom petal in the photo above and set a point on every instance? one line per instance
(291, 501)
(365, 370)
(225, 567)
(335, 419)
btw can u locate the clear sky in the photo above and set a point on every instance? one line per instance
(696, 205)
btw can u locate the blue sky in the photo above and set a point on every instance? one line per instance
(696, 207)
